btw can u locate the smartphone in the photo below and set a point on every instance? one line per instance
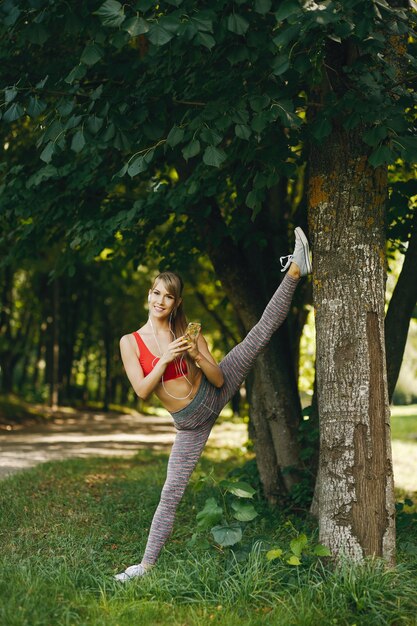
(192, 330)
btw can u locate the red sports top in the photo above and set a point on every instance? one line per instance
(175, 369)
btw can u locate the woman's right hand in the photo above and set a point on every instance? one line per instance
(175, 349)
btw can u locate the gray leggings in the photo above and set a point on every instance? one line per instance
(195, 421)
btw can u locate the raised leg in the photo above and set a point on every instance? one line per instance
(237, 363)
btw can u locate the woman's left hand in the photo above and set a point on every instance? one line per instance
(193, 350)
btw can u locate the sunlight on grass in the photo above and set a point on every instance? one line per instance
(404, 422)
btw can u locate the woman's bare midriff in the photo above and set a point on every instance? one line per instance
(178, 387)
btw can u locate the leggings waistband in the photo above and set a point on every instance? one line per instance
(195, 403)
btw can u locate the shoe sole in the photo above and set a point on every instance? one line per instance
(306, 248)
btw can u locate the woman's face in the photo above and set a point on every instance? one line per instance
(161, 303)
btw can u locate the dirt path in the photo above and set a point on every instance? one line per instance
(77, 434)
(69, 434)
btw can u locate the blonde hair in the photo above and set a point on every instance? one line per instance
(174, 285)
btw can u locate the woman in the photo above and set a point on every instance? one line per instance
(190, 384)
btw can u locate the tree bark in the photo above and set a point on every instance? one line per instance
(6, 340)
(346, 219)
(54, 387)
(400, 310)
(108, 352)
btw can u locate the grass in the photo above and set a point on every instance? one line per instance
(14, 410)
(67, 527)
(404, 422)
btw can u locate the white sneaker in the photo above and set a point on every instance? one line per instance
(301, 254)
(132, 572)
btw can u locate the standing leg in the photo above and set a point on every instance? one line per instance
(186, 451)
(184, 456)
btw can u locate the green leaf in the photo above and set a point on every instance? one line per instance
(211, 514)
(41, 83)
(237, 24)
(302, 63)
(79, 71)
(380, 156)
(244, 512)
(10, 94)
(258, 103)
(259, 122)
(237, 54)
(252, 201)
(35, 106)
(263, 6)
(136, 26)
(78, 141)
(144, 5)
(280, 64)
(192, 188)
(320, 550)
(240, 489)
(298, 544)
(286, 35)
(121, 141)
(148, 156)
(202, 22)
(226, 535)
(47, 152)
(13, 113)
(175, 136)
(13, 15)
(276, 553)
(205, 40)
(111, 13)
(45, 173)
(37, 34)
(287, 8)
(408, 146)
(214, 156)
(210, 136)
(91, 54)
(66, 107)
(122, 171)
(137, 166)
(53, 131)
(94, 123)
(109, 132)
(242, 131)
(375, 135)
(170, 23)
(96, 94)
(293, 560)
(159, 36)
(119, 39)
(73, 121)
(191, 150)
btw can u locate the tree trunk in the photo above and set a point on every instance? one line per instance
(54, 388)
(108, 352)
(400, 310)
(274, 402)
(346, 218)
(6, 340)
